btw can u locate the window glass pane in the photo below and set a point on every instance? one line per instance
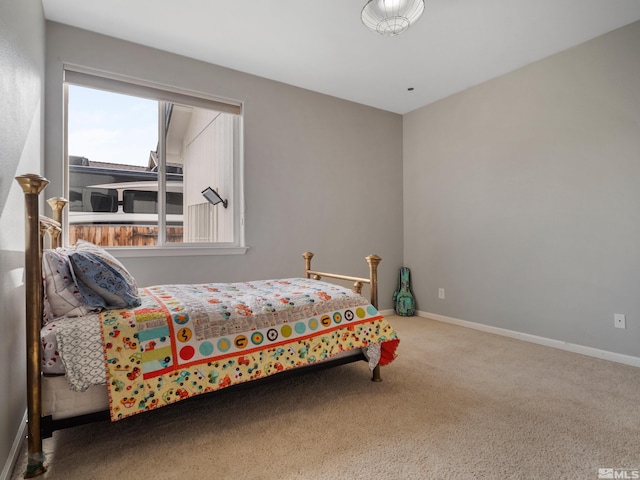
(174, 203)
(200, 142)
(93, 200)
(115, 160)
(139, 201)
(112, 143)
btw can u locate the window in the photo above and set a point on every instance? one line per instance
(139, 158)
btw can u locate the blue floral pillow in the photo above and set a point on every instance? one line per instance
(102, 280)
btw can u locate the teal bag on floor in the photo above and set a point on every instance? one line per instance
(403, 300)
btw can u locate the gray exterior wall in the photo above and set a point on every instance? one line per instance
(22, 31)
(521, 198)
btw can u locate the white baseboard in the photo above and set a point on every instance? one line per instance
(16, 448)
(548, 342)
(387, 313)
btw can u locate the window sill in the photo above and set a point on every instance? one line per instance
(171, 251)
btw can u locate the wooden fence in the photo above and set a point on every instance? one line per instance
(122, 235)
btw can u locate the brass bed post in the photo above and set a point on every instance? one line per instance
(374, 261)
(32, 185)
(307, 262)
(57, 205)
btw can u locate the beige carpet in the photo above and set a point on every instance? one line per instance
(456, 404)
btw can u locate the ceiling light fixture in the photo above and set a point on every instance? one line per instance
(391, 17)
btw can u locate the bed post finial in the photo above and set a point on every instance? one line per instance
(32, 185)
(374, 261)
(307, 263)
(57, 205)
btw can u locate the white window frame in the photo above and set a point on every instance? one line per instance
(84, 77)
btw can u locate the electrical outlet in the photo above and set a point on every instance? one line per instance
(441, 293)
(619, 320)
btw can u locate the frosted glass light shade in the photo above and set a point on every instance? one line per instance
(391, 17)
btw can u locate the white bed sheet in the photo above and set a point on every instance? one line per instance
(61, 402)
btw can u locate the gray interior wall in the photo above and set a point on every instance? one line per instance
(321, 174)
(521, 198)
(21, 90)
(520, 195)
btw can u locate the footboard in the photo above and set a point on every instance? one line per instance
(372, 281)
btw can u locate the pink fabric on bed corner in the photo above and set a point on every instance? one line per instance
(51, 361)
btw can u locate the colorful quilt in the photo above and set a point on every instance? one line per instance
(186, 340)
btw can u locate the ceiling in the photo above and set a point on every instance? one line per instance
(322, 45)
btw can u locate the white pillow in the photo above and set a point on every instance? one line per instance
(61, 291)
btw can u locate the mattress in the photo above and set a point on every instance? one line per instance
(184, 340)
(61, 402)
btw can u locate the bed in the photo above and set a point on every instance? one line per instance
(100, 347)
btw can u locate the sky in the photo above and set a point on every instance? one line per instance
(110, 127)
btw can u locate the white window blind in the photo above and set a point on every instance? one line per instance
(127, 86)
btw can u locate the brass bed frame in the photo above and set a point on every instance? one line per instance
(40, 230)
